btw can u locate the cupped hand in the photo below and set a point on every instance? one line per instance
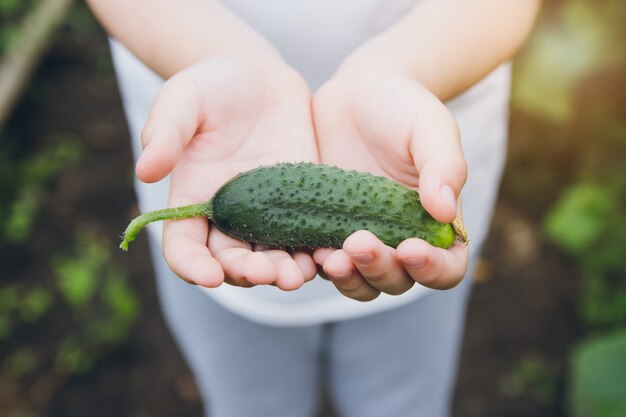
(208, 123)
(392, 126)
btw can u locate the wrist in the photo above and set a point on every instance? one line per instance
(372, 60)
(384, 57)
(256, 52)
(378, 61)
(270, 67)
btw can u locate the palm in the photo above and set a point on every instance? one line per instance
(245, 121)
(243, 118)
(391, 127)
(374, 127)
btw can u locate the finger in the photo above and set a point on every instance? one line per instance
(440, 186)
(172, 123)
(289, 276)
(321, 254)
(377, 263)
(319, 257)
(303, 260)
(258, 268)
(437, 155)
(433, 267)
(341, 271)
(240, 263)
(306, 264)
(185, 251)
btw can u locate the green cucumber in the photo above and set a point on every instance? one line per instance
(308, 205)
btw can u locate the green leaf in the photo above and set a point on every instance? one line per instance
(10, 6)
(6, 326)
(602, 301)
(22, 362)
(597, 385)
(581, 216)
(534, 376)
(76, 281)
(8, 298)
(35, 304)
(44, 166)
(22, 215)
(77, 277)
(121, 310)
(119, 297)
(73, 357)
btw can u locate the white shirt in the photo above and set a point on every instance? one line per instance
(314, 37)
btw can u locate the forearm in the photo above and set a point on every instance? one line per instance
(447, 45)
(169, 35)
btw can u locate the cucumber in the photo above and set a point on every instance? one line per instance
(308, 205)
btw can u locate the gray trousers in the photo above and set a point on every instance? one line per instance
(398, 363)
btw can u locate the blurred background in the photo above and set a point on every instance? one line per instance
(80, 330)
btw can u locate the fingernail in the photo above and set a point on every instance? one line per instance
(415, 263)
(365, 258)
(448, 196)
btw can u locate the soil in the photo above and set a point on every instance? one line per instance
(522, 309)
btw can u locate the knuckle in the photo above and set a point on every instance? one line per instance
(361, 294)
(377, 277)
(400, 289)
(348, 284)
(368, 296)
(448, 285)
(173, 127)
(147, 132)
(461, 169)
(170, 256)
(430, 280)
(356, 289)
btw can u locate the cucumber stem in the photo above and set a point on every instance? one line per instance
(459, 229)
(174, 213)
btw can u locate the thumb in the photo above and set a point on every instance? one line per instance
(438, 157)
(172, 123)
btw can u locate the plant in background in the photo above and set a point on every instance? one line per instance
(10, 13)
(92, 296)
(22, 305)
(588, 222)
(571, 77)
(598, 377)
(22, 362)
(8, 303)
(35, 304)
(532, 376)
(105, 307)
(60, 313)
(88, 293)
(34, 176)
(78, 273)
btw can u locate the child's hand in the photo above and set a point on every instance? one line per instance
(210, 122)
(392, 126)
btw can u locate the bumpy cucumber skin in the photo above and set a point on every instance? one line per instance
(311, 205)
